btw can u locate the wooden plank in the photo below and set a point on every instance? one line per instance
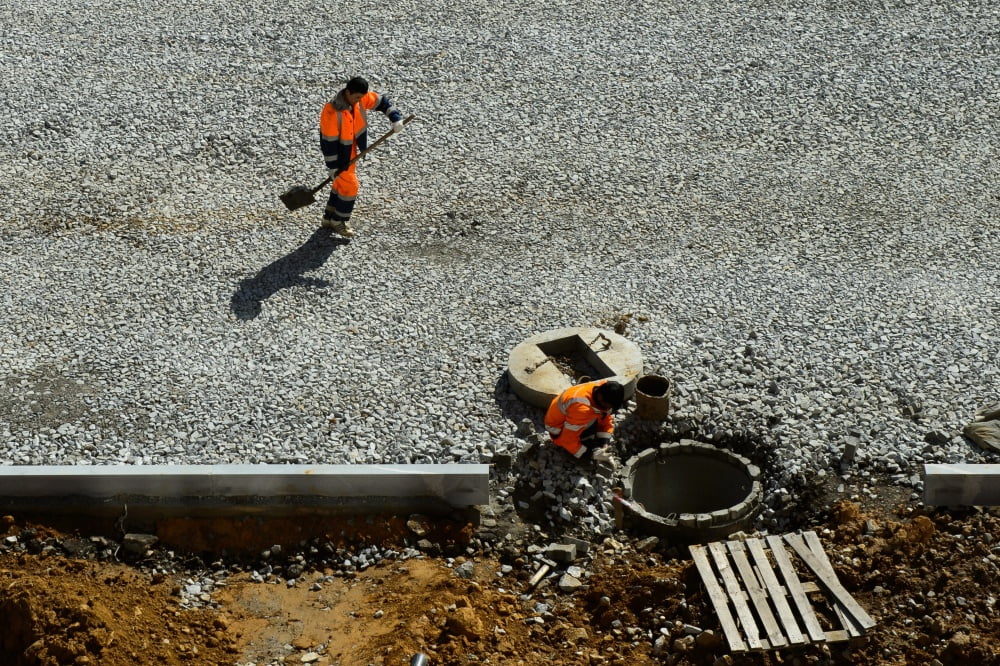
(846, 620)
(828, 579)
(758, 595)
(743, 612)
(719, 599)
(802, 603)
(777, 592)
(837, 636)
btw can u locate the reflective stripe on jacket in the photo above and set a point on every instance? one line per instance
(343, 130)
(572, 412)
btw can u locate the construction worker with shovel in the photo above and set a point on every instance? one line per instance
(343, 129)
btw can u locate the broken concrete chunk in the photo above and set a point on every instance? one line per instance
(582, 547)
(569, 583)
(563, 553)
(851, 445)
(986, 434)
(138, 543)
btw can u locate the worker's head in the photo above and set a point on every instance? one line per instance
(610, 395)
(355, 89)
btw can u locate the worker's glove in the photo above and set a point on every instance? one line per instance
(397, 127)
(581, 452)
(333, 173)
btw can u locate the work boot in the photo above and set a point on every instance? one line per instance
(341, 228)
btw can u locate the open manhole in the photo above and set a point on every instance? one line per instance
(690, 491)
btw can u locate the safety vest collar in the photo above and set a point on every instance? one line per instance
(340, 102)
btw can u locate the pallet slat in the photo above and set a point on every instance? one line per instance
(758, 594)
(743, 612)
(719, 599)
(828, 578)
(802, 603)
(777, 592)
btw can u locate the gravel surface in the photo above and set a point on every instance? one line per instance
(796, 204)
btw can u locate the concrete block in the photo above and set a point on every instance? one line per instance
(459, 485)
(961, 485)
(563, 553)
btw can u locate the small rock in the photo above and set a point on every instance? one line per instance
(419, 525)
(138, 544)
(569, 583)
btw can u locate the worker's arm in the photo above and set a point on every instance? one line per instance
(382, 104)
(605, 428)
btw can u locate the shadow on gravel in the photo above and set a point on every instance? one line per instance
(285, 272)
(513, 408)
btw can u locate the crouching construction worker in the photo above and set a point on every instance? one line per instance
(343, 130)
(580, 419)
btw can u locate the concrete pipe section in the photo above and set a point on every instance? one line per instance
(544, 365)
(690, 491)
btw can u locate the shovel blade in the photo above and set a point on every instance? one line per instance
(297, 197)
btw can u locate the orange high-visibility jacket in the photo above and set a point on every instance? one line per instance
(572, 412)
(343, 129)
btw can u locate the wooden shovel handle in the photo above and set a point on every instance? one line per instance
(365, 151)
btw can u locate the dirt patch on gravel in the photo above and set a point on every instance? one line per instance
(930, 580)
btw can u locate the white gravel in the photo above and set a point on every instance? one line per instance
(797, 203)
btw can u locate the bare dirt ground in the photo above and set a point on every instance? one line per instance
(929, 578)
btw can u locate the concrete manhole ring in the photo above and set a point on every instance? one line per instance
(594, 352)
(690, 491)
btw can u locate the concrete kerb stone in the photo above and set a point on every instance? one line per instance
(456, 485)
(536, 380)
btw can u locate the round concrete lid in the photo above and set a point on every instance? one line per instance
(537, 380)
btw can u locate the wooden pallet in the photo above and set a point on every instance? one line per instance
(761, 601)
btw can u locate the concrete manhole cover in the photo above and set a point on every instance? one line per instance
(544, 365)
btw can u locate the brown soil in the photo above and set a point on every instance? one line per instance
(930, 580)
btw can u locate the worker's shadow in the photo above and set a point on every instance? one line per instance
(289, 271)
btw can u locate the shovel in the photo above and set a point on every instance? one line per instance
(300, 195)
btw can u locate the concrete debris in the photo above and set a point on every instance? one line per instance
(561, 552)
(569, 583)
(137, 544)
